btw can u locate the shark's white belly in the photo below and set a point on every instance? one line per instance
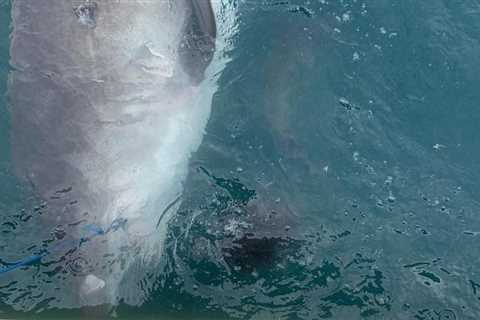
(106, 106)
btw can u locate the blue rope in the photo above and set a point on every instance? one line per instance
(21, 263)
(92, 229)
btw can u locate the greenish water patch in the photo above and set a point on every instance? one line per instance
(237, 191)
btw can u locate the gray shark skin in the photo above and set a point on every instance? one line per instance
(108, 99)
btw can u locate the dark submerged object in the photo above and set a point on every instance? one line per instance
(263, 238)
(254, 254)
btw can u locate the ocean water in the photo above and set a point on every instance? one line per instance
(337, 178)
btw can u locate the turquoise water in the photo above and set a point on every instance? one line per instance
(338, 177)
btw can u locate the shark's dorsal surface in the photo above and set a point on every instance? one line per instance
(108, 99)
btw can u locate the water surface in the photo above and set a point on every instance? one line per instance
(338, 177)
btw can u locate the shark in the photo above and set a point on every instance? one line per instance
(108, 100)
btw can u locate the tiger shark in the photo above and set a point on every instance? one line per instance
(108, 100)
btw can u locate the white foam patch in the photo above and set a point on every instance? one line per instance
(92, 284)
